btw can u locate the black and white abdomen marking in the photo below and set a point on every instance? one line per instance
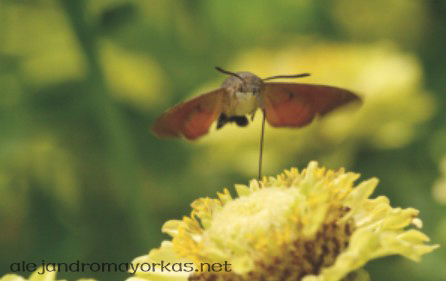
(241, 121)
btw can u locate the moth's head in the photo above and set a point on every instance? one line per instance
(244, 82)
(247, 82)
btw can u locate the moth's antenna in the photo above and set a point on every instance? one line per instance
(262, 136)
(288, 76)
(229, 73)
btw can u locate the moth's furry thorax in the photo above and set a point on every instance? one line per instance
(242, 94)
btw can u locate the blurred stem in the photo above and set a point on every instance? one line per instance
(123, 161)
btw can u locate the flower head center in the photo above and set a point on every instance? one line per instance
(246, 218)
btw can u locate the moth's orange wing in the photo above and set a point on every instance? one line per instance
(192, 118)
(296, 105)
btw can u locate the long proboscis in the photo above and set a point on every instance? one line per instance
(262, 136)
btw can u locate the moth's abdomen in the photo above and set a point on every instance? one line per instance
(240, 121)
(241, 104)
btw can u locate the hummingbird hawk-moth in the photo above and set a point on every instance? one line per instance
(241, 94)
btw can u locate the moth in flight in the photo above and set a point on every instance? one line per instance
(241, 94)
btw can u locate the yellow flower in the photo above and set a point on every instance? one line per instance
(48, 275)
(313, 225)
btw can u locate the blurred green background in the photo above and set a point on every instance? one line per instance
(81, 176)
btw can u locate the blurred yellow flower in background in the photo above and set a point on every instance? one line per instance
(313, 225)
(135, 79)
(439, 187)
